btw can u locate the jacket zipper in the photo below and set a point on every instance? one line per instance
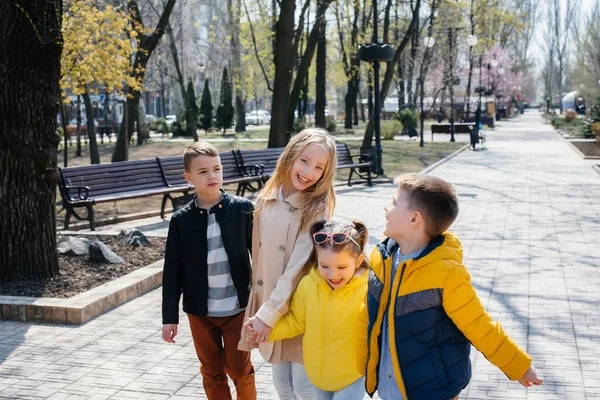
(369, 343)
(391, 318)
(327, 304)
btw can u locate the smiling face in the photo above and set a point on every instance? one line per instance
(206, 174)
(308, 168)
(399, 216)
(337, 268)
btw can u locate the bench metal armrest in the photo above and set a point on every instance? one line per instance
(363, 158)
(82, 192)
(252, 170)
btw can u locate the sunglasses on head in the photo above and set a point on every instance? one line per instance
(336, 238)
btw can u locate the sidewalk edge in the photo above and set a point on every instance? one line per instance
(444, 160)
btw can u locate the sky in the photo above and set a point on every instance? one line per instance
(537, 49)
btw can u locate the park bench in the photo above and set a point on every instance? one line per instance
(477, 137)
(458, 128)
(174, 168)
(261, 164)
(485, 120)
(345, 160)
(86, 186)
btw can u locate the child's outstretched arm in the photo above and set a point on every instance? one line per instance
(530, 378)
(293, 323)
(463, 306)
(278, 302)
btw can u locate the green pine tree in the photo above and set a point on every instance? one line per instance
(193, 108)
(206, 108)
(225, 111)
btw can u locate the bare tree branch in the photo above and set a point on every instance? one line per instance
(262, 67)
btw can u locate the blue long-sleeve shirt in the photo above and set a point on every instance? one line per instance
(388, 386)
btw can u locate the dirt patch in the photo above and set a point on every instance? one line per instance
(77, 274)
(589, 149)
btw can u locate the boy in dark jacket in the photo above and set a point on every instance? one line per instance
(207, 258)
(423, 312)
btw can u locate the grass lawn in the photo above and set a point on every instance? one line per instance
(398, 157)
(573, 128)
(401, 157)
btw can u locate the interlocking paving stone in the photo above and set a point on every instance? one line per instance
(529, 223)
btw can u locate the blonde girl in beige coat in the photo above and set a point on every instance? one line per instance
(299, 193)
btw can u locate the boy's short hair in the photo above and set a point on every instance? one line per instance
(198, 149)
(434, 198)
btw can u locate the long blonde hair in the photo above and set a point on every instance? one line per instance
(315, 200)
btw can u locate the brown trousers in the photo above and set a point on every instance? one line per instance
(216, 340)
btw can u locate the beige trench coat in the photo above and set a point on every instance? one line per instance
(279, 251)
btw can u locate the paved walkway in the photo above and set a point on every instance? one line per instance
(529, 223)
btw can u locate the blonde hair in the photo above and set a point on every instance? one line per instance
(198, 149)
(316, 200)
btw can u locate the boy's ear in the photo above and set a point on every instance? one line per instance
(417, 218)
(187, 177)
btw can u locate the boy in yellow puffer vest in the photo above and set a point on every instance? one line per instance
(325, 309)
(423, 312)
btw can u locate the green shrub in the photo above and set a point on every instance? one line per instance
(409, 120)
(299, 124)
(159, 125)
(390, 128)
(330, 124)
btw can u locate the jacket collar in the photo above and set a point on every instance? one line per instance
(360, 278)
(446, 246)
(225, 200)
(293, 199)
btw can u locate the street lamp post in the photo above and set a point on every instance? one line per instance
(450, 35)
(377, 102)
(471, 41)
(480, 88)
(376, 53)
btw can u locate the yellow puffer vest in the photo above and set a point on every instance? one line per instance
(329, 319)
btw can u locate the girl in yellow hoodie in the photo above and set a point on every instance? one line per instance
(325, 308)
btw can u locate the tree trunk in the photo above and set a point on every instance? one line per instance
(190, 117)
(30, 99)
(121, 151)
(411, 67)
(63, 120)
(401, 84)
(389, 72)
(284, 58)
(236, 65)
(467, 101)
(78, 126)
(91, 129)
(321, 73)
(356, 100)
(309, 52)
(349, 104)
(146, 47)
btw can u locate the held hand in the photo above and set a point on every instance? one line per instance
(530, 378)
(262, 330)
(251, 336)
(169, 331)
(249, 333)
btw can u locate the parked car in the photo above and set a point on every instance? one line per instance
(72, 127)
(150, 118)
(170, 119)
(257, 117)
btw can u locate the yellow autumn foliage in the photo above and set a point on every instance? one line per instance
(97, 48)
